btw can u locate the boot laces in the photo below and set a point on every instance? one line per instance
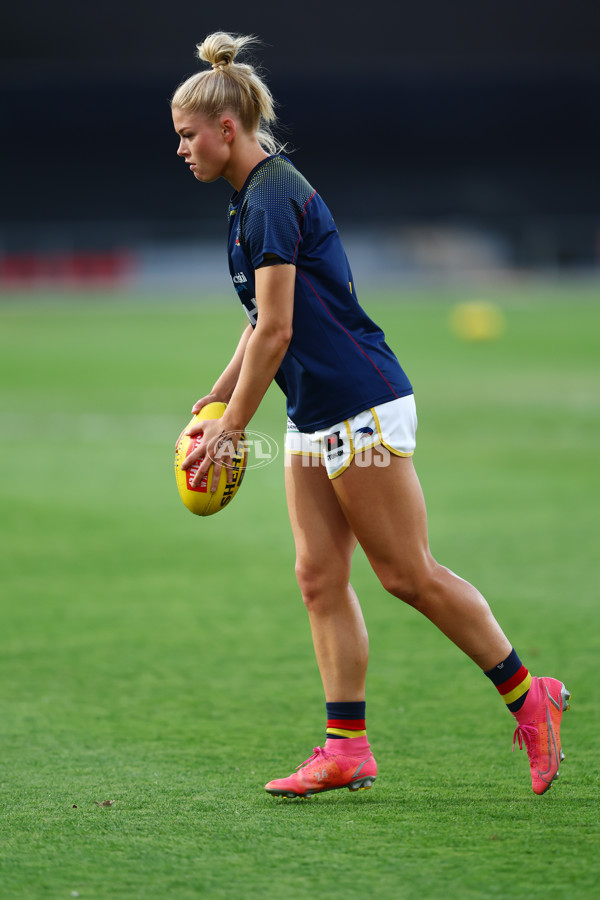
(317, 752)
(526, 734)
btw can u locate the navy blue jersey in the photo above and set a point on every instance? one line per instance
(338, 362)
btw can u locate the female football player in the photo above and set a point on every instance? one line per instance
(351, 429)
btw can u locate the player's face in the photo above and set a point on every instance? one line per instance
(202, 144)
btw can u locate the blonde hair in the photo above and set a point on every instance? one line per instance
(229, 85)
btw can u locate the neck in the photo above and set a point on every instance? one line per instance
(242, 163)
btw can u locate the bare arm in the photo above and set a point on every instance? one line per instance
(267, 345)
(262, 355)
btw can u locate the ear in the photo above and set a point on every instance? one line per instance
(228, 128)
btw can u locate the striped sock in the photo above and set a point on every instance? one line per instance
(512, 681)
(346, 720)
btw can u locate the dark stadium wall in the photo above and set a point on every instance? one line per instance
(486, 111)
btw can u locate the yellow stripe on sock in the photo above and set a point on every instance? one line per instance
(518, 691)
(342, 732)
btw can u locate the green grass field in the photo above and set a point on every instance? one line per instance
(164, 662)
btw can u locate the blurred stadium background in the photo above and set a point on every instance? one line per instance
(158, 662)
(448, 139)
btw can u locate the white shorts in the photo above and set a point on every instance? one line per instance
(391, 426)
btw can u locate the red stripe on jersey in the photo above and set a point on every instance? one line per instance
(339, 324)
(299, 220)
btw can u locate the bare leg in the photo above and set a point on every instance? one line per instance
(394, 538)
(324, 547)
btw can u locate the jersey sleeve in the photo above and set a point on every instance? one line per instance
(272, 217)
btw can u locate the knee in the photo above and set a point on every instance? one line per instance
(320, 582)
(414, 585)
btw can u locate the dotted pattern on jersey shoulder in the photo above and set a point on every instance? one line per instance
(275, 201)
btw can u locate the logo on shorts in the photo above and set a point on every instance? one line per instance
(333, 445)
(365, 430)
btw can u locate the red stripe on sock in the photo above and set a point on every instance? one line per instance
(350, 724)
(507, 686)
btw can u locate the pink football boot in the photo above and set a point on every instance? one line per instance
(340, 764)
(539, 729)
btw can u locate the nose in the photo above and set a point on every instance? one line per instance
(181, 151)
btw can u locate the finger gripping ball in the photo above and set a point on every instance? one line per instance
(199, 498)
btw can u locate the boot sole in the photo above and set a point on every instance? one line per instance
(361, 784)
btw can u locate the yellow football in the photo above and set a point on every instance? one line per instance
(477, 320)
(199, 499)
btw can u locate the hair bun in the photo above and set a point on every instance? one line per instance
(220, 49)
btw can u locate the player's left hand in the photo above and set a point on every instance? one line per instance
(217, 446)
